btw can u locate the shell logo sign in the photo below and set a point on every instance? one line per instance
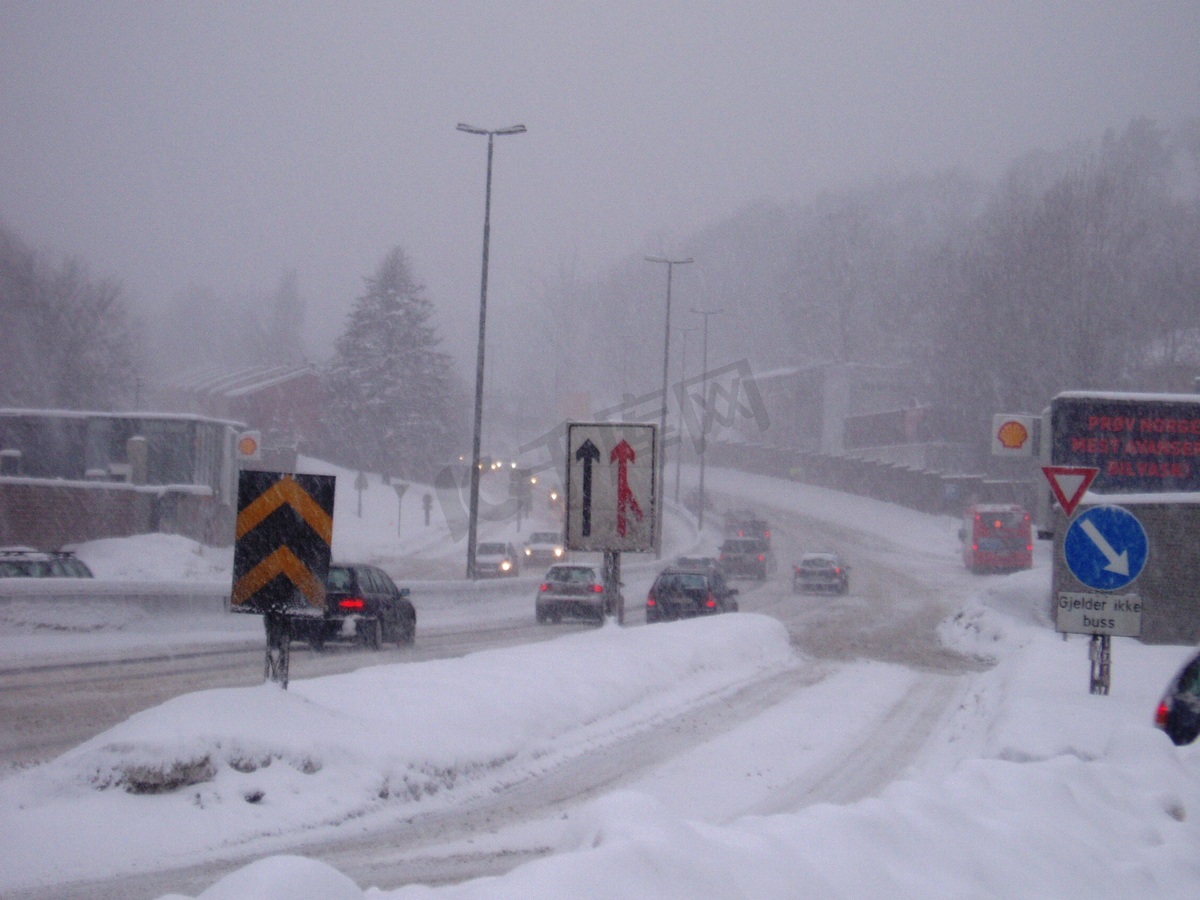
(249, 445)
(1012, 435)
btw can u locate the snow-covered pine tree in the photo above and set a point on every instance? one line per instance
(394, 405)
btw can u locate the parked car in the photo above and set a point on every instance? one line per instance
(363, 604)
(25, 562)
(1178, 712)
(544, 548)
(745, 558)
(496, 559)
(574, 591)
(819, 572)
(680, 592)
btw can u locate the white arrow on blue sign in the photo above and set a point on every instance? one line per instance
(1106, 548)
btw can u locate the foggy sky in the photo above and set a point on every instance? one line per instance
(224, 143)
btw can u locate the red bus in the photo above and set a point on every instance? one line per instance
(997, 537)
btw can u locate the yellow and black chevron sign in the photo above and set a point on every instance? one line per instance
(284, 532)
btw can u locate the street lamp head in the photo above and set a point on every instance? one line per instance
(474, 129)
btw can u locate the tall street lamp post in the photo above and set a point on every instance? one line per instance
(473, 516)
(662, 422)
(682, 380)
(704, 415)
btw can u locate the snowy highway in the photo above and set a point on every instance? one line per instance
(519, 747)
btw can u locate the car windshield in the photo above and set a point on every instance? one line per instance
(491, 550)
(572, 575)
(818, 562)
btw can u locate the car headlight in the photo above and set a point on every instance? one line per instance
(528, 552)
(505, 566)
(558, 551)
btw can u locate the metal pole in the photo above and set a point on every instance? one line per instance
(682, 379)
(662, 421)
(473, 513)
(704, 414)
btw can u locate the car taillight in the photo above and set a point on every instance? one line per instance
(1160, 715)
(761, 557)
(650, 601)
(597, 589)
(353, 603)
(837, 570)
(711, 602)
(767, 534)
(545, 586)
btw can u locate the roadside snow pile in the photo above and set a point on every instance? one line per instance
(156, 557)
(216, 770)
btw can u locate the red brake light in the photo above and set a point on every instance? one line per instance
(1160, 716)
(650, 601)
(837, 570)
(767, 534)
(711, 602)
(545, 586)
(761, 557)
(597, 589)
(353, 603)
(998, 524)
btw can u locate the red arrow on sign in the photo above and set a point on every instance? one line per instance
(622, 455)
(1070, 483)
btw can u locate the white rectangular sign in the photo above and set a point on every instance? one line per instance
(611, 502)
(1119, 615)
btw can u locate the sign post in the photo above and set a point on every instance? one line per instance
(611, 499)
(1106, 549)
(282, 548)
(399, 487)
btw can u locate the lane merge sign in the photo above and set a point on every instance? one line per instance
(611, 502)
(282, 547)
(1069, 484)
(1106, 548)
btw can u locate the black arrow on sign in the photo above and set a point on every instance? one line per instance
(588, 453)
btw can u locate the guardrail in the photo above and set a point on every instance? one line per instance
(153, 596)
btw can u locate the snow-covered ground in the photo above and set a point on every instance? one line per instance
(1028, 787)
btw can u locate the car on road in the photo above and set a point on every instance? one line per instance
(496, 559)
(362, 604)
(1178, 712)
(681, 592)
(748, 525)
(25, 562)
(821, 572)
(544, 548)
(745, 558)
(573, 591)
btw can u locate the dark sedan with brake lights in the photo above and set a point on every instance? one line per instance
(1178, 712)
(679, 593)
(362, 604)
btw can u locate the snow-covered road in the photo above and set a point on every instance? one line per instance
(949, 727)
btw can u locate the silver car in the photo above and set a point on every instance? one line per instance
(573, 591)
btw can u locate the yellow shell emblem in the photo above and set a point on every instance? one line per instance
(1012, 435)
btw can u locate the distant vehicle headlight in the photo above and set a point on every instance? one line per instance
(506, 565)
(558, 551)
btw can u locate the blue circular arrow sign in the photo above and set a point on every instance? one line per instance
(1106, 548)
